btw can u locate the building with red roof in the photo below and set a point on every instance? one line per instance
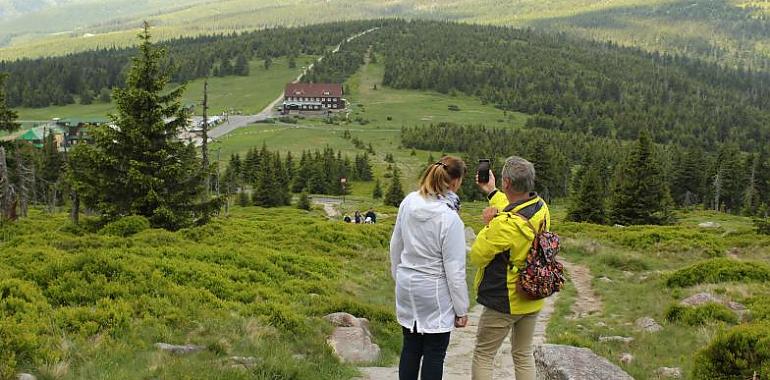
(313, 97)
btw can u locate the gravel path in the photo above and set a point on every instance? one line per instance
(460, 353)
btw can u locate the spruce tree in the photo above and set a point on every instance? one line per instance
(7, 115)
(137, 165)
(588, 203)
(395, 193)
(304, 202)
(640, 194)
(689, 178)
(377, 192)
(241, 66)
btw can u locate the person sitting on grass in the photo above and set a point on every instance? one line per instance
(357, 217)
(347, 219)
(371, 217)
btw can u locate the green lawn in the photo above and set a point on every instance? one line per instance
(372, 108)
(246, 94)
(408, 107)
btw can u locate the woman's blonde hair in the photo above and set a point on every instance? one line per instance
(438, 176)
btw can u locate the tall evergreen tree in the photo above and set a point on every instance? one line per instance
(137, 165)
(377, 192)
(241, 66)
(729, 182)
(7, 115)
(395, 193)
(689, 178)
(588, 203)
(640, 195)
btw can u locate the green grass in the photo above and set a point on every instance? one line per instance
(246, 94)
(639, 268)
(249, 284)
(371, 108)
(408, 107)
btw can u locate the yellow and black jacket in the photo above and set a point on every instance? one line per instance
(501, 248)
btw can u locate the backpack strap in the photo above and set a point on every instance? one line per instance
(529, 223)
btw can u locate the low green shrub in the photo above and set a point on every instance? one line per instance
(624, 262)
(760, 308)
(719, 270)
(738, 353)
(700, 315)
(762, 226)
(126, 226)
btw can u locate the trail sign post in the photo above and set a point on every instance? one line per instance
(343, 184)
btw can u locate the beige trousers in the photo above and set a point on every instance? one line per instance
(493, 327)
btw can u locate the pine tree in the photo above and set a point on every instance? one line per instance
(640, 195)
(729, 180)
(377, 192)
(7, 115)
(395, 193)
(138, 166)
(688, 185)
(588, 203)
(241, 66)
(304, 202)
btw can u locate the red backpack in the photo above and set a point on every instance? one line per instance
(542, 275)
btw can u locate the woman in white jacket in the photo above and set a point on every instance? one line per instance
(427, 254)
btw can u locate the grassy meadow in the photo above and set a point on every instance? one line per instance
(631, 268)
(246, 94)
(256, 282)
(368, 121)
(84, 303)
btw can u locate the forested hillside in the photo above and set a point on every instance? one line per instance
(65, 80)
(584, 87)
(732, 32)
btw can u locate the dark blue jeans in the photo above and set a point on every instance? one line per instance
(431, 348)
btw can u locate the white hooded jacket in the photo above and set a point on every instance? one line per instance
(427, 256)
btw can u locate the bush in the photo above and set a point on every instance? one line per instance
(738, 353)
(760, 308)
(719, 270)
(126, 226)
(304, 202)
(700, 315)
(627, 263)
(287, 119)
(763, 226)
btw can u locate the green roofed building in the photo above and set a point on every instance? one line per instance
(37, 135)
(66, 132)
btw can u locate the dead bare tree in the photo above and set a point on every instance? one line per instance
(205, 137)
(6, 191)
(23, 173)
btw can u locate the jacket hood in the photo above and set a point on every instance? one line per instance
(425, 208)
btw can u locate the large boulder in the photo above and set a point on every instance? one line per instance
(351, 339)
(556, 362)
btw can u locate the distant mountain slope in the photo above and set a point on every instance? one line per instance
(734, 32)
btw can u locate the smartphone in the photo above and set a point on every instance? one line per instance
(483, 170)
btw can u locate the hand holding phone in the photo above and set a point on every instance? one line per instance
(483, 171)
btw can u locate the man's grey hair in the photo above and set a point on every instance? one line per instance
(521, 174)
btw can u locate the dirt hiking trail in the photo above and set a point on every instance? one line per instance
(457, 365)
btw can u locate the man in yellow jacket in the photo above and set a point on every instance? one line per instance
(499, 251)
